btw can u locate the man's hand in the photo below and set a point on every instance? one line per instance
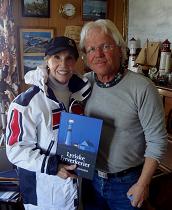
(65, 171)
(140, 190)
(138, 193)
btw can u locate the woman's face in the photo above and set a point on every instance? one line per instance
(61, 66)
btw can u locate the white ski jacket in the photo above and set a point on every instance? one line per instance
(32, 128)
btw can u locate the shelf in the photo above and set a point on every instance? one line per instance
(168, 87)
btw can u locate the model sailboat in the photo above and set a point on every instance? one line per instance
(148, 55)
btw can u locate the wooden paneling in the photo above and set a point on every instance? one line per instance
(116, 12)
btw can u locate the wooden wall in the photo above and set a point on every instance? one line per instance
(117, 12)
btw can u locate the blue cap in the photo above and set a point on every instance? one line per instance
(61, 43)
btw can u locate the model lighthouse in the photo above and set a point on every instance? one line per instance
(132, 56)
(165, 60)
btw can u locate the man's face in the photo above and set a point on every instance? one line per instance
(61, 66)
(102, 54)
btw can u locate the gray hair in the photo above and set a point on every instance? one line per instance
(109, 28)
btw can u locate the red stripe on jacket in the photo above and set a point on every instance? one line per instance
(56, 118)
(14, 127)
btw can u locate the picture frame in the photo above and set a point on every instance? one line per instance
(31, 62)
(34, 40)
(33, 43)
(94, 9)
(38, 8)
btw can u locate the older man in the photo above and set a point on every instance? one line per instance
(134, 137)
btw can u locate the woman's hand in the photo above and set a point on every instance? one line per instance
(65, 171)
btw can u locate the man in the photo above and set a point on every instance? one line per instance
(134, 137)
(33, 122)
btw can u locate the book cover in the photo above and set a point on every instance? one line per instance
(78, 142)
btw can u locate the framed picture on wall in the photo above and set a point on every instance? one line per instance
(94, 9)
(31, 63)
(38, 8)
(32, 47)
(34, 40)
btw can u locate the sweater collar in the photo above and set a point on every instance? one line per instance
(113, 82)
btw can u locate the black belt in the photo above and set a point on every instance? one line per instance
(106, 175)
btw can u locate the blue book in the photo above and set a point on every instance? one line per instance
(78, 142)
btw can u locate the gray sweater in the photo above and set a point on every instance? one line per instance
(133, 126)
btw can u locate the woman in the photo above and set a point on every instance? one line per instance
(33, 122)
